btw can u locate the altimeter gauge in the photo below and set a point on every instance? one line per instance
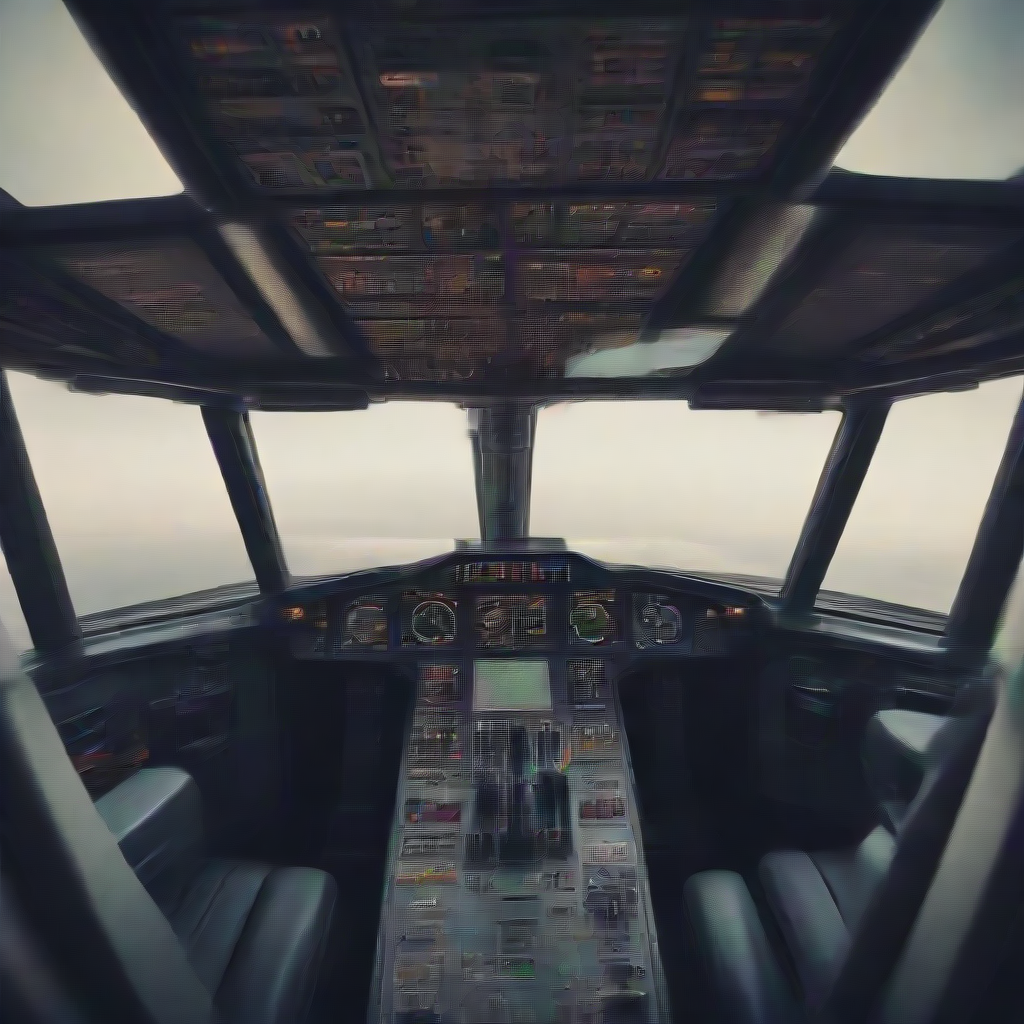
(433, 622)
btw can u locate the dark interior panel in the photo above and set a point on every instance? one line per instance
(209, 708)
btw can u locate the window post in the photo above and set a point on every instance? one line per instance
(997, 551)
(27, 541)
(502, 437)
(837, 490)
(235, 449)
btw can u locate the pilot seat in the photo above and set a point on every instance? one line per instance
(143, 925)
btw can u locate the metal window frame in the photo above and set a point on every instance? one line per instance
(28, 544)
(234, 447)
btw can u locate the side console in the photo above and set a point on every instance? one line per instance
(516, 888)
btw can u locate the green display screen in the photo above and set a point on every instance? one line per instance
(511, 684)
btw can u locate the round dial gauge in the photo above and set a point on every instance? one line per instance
(433, 622)
(661, 623)
(367, 623)
(591, 622)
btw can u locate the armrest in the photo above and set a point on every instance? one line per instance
(156, 818)
(747, 984)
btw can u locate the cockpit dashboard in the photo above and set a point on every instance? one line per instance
(522, 605)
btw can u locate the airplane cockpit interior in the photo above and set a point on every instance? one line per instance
(512, 512)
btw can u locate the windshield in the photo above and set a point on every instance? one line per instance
(69, 136)
(656, 483)
(352, 490)
(953, 109)
(132, 493)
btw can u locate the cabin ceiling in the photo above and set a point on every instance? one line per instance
(445, 200)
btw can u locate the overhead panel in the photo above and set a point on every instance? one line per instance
(965, 326)
(172, 286)
(884, 273)
(446, 291)
(308, 102)
(752, 74)
(39, 320)
(329, 103)
(279, 91)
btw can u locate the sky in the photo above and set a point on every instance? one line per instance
(134, 495)
(954, 108)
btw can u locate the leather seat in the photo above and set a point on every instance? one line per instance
(843, 914)
(138, 922)
(818, 901)
(254, 934)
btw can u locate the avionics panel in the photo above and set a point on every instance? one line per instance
(547, 571)
(517, 888)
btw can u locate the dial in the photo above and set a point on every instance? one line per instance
(591, 618)
(658, 622)
(433, 622)
(366, 624)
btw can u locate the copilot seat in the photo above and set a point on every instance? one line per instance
(843, 915)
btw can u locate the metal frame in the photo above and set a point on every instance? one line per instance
(837, 490)
(995, 557)
(235, 448)
(28, 543)
(502, 436)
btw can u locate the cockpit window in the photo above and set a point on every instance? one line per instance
(68, 135)
(913, 525)
(656, 483)
(382, 486)
(133, 494)
(953, 110)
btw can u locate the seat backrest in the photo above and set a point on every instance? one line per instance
(156, 817)
(968, 935)
(921, 839)
(103, 931)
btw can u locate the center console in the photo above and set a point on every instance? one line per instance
(516, 888)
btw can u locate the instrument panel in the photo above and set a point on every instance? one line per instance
(521, 605)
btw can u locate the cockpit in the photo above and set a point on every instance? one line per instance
(512, 513)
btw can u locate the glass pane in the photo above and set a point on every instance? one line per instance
(10, 612)
(912, 529)
(953, 110)
(656, 483)
(69, 136)
(133, 494)
(385, 485)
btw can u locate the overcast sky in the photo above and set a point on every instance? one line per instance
(135, 498)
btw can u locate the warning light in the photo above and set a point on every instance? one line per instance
(293, 614)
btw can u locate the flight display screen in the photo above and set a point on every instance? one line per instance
(511, 620)
(511, 684)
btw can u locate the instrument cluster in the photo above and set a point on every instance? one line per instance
(513, 607)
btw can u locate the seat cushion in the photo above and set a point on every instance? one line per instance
(746, 982)
(819, 900)
(853, 875)
(808, 918)
(255, 935)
